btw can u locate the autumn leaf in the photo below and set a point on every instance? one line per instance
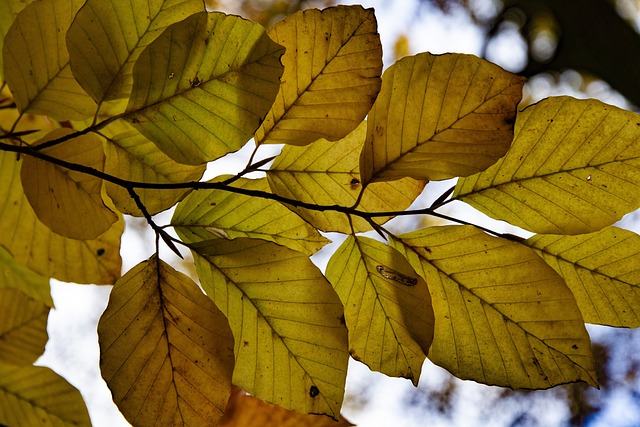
(207, 215)
(23, 326)
(131, 156)
(202, 88)
(9, 9)
(332, 67)
(35, 246)
(328, 173)
(103, 48)
(247, 411)
(16, 276)
(602, 269)
(35, 395)
(68, 202)
(504, 316)
(387, 307)
(571, 169)
(36, 62)
(290, 343)
(439, 117)
(166, 351)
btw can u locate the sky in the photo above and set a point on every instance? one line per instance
(72, 350)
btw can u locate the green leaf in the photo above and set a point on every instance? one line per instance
(131, 156)
(387, 307)
(35, 396)
(504, 316)
(23, 326)
(572, 169)
(290, 342)
(36, 62)
(438, 117)
(210, 214)
(166, 351)
(106, 38)
(68, 202)
(602, 270)
(202, 88)
(327, 173)
(17, 276)
(35, 246)
(332, 72)
(9, 9)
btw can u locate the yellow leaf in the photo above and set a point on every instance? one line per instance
(602, 270)
(68, 202)
(438, 117)
(35, 246)
(36, 62)
(332, 72)
(327, 173)
(387, 307)
(209, 214)
(17, 276)
(290, 343)
(572, 169)
(9, 9)
(166, 350)
(504, 317)
(131, 156)
(23, 326)
(247, 411)
(202, 88)
(106, 38)
(37, 396)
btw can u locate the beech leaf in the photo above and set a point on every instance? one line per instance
(166, 351)
(332, 67)
(504, 317)
(202, 88)
(438, 117)
(290, 341)
(572, 169)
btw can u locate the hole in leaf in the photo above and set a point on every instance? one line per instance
(313, 391)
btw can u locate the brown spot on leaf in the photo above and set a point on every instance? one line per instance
(313, 391)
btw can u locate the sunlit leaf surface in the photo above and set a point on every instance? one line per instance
(211, 214)
(34, 245)
(68, 202)
(23, 326)
(131, 156)
(332, 73)
(572, 169)
(387, 307)
(166, 351)
(16, 276)
(503, 316)
(290, 342)
(106, 38)
(36, 62)
(602, 270)
(202, 88)
(37, 396)
(327, 173)
(438, 117)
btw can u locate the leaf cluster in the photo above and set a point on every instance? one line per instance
(108, 110)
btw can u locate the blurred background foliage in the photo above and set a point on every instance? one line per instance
(592, 48)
